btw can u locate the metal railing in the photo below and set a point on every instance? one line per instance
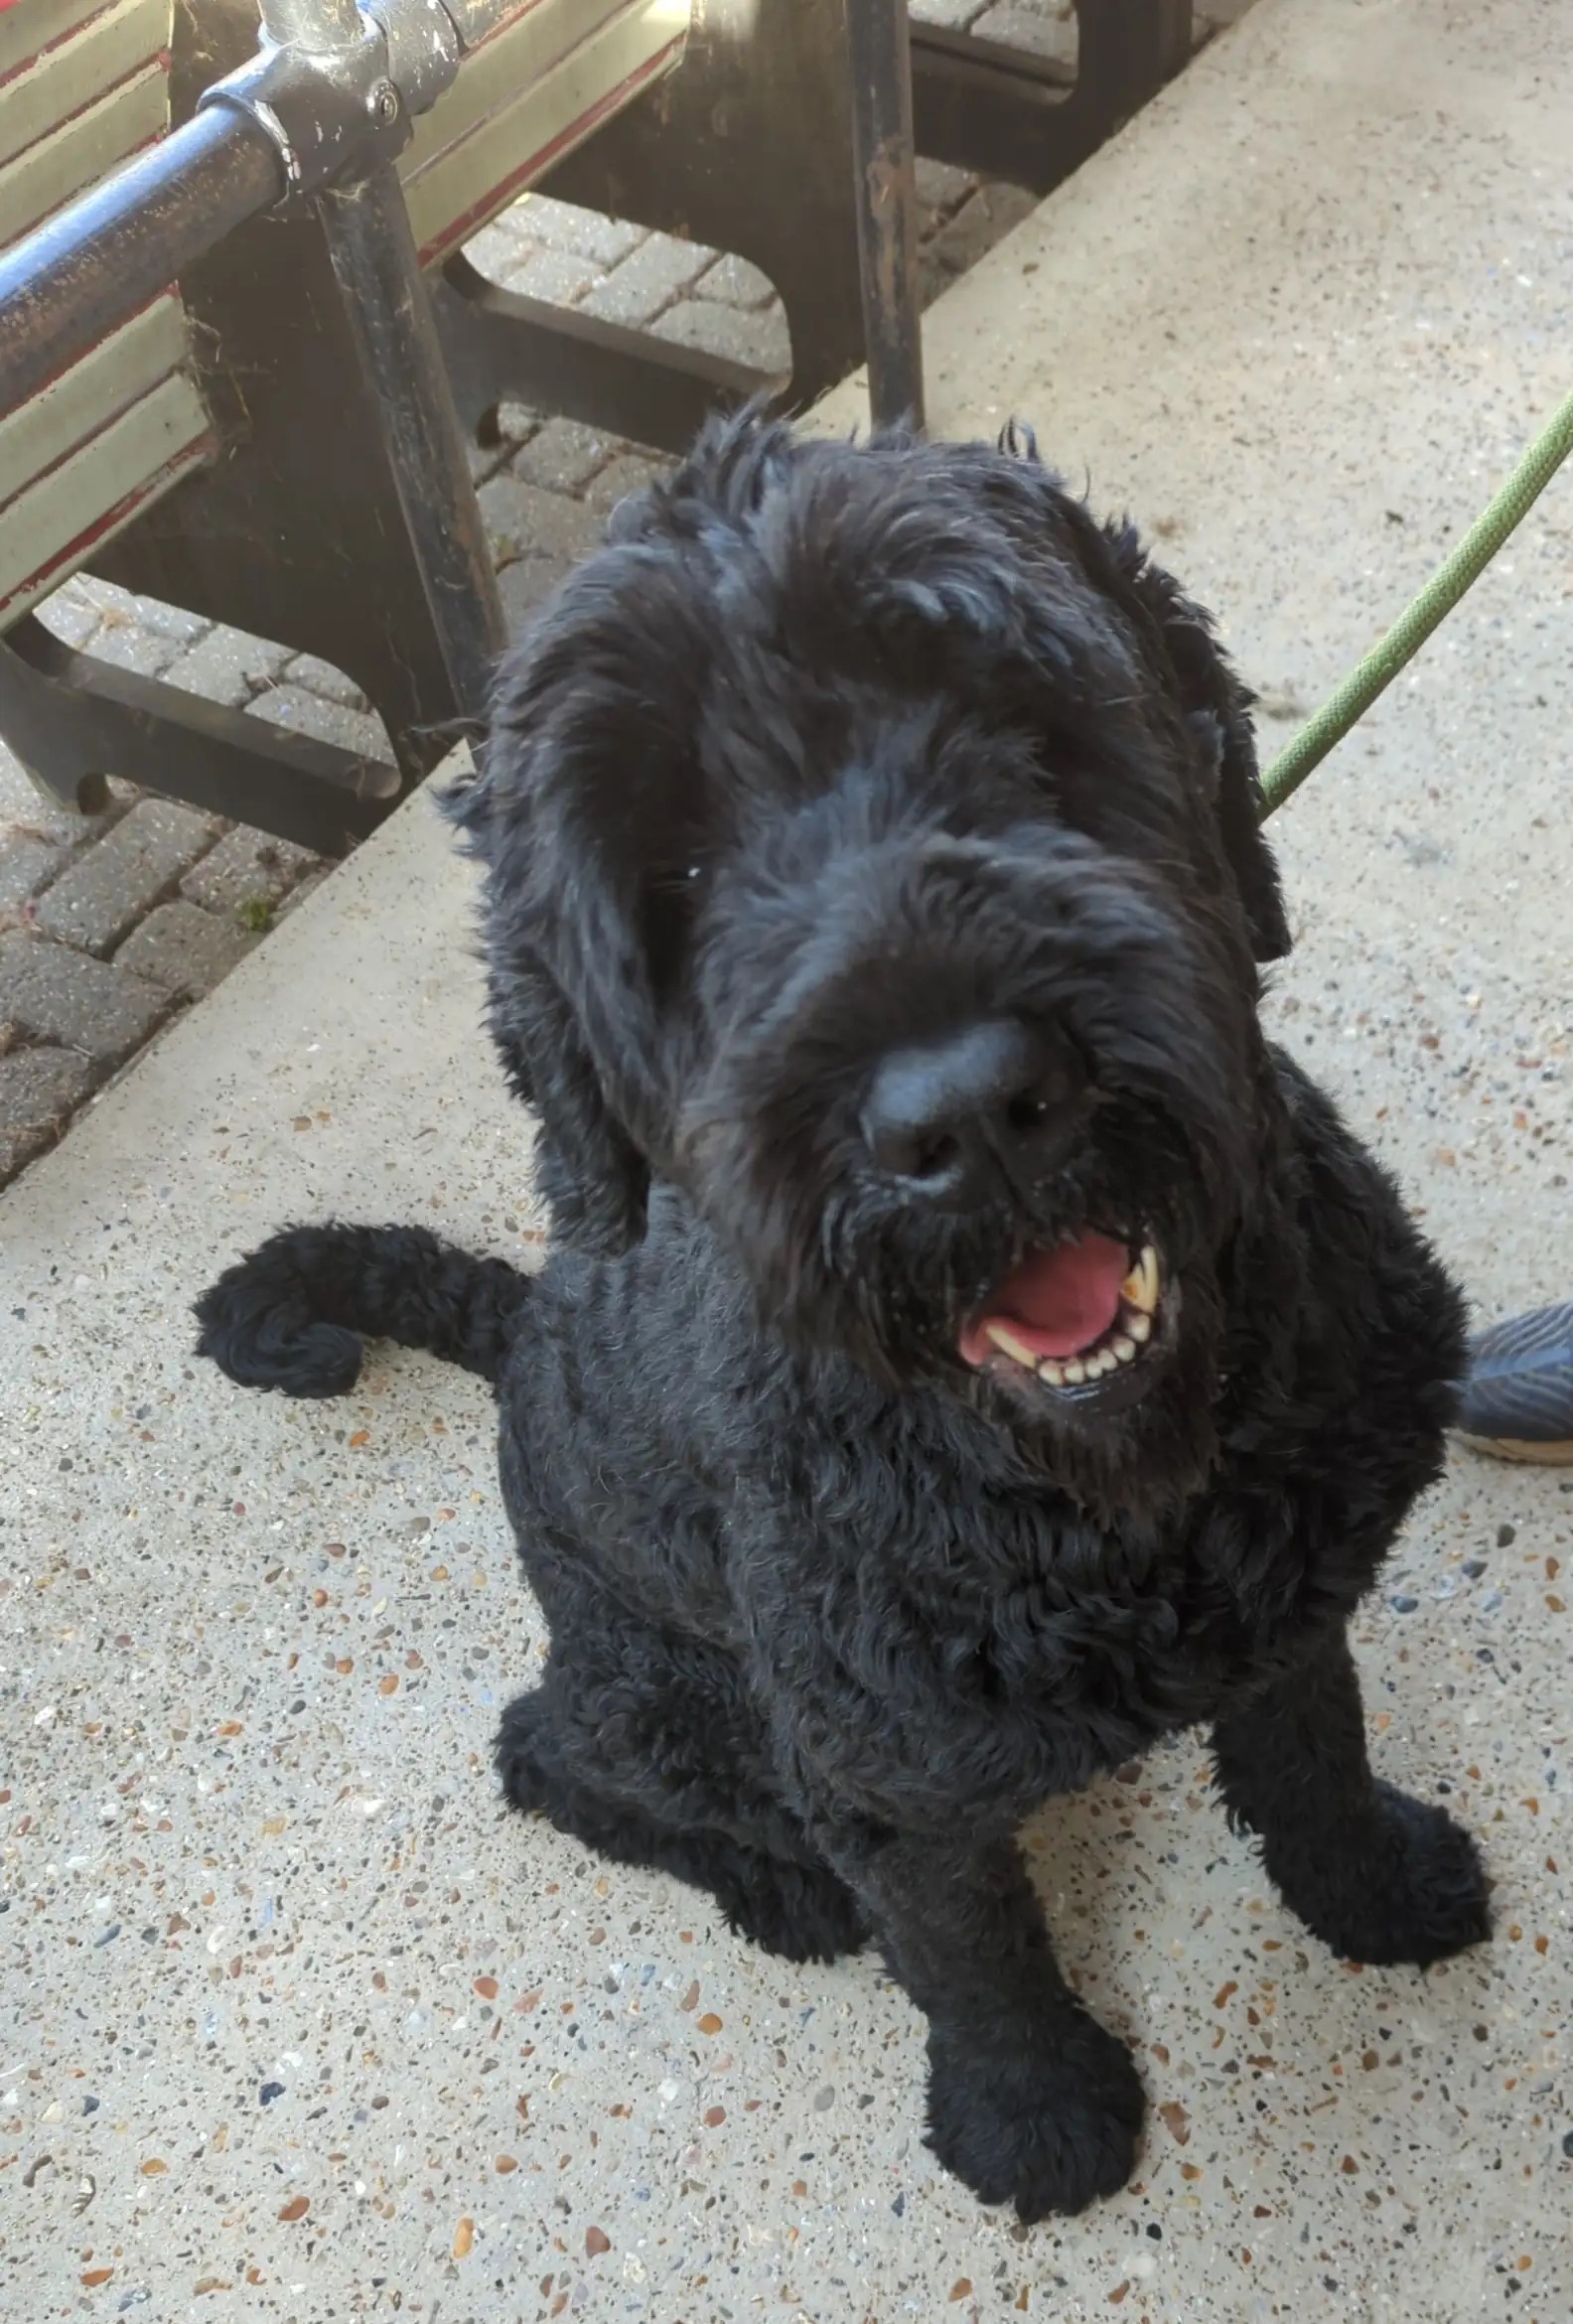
(320, 114)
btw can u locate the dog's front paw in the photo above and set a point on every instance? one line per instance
(1409, 1887)
(1047, 2119)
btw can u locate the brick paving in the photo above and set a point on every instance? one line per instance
(112, 924)
(68, 1000)
(111, 887)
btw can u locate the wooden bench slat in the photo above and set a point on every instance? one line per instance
(526, 98)
(67, 80)
(33, 25)
(108, 380)
(48, 527)
(75, 156)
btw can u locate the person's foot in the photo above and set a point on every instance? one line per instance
(1518, 1400)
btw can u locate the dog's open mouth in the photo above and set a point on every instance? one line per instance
(1076, 1316)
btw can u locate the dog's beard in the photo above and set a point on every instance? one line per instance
(1085, 1324)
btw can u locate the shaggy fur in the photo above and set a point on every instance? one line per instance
(828, 756)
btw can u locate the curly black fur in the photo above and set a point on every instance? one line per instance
(827, 750)
(294, 1315)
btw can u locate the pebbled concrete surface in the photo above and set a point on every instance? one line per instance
(299, 2026)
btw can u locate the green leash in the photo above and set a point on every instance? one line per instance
(1372, 676)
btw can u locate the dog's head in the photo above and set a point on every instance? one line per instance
(872, 851)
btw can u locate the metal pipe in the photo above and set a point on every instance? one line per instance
(105, 255)
(879, 53)
(385, 302)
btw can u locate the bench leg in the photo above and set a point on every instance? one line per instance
(72, 721)
(389, 311)
(884, 169)
(748, 146)
(296, 532)
(982, 107)
(499, 344)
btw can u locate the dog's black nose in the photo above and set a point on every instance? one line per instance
(948, 1114)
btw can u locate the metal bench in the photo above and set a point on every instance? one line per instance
(178, 440)
(983, 107)
(276, 441)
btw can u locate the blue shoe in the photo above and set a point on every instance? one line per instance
(1517, 1401)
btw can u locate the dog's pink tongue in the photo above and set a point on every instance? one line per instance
(1056, 1303)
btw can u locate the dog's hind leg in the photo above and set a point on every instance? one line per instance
(769, 1889)
(1377, 1876)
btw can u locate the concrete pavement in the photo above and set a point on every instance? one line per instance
(297, 2025)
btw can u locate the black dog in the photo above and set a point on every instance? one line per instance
(971, 1350)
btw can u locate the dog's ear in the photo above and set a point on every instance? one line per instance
(562, 816)
(592, 1175)
(1192, 669)
(1227, 746)
(587, 815)
(1218, 709)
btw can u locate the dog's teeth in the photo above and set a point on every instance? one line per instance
(1052, 1371)
(1102, 1365)
(1076, 1373)
(1124, 1350)
(1138, 1327)
(1008, 1345)
(1140, 1286)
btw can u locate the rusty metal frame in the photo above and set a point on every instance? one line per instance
(751, 146)
(500, 345)
(85, 270)
(76, 717)
(985, 107)
(884, 160)
(786, 136)
(237, 148)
